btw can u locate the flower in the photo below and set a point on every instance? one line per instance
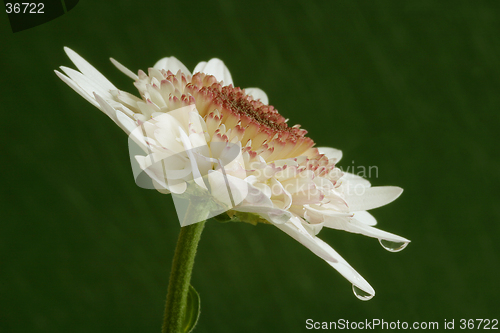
(197, 129)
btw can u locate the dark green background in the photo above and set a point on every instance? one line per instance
(410, 88)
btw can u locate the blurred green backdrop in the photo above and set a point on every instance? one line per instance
(410, 88)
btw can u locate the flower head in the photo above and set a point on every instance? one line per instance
(203, 137)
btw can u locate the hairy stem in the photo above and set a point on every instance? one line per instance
(180, 277)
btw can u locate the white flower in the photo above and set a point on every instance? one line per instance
(198, 129)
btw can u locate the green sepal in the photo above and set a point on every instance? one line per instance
(223, 218)
(192, 310)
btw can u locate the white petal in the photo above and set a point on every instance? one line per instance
(258, 203)
(77, 88)
(347, 271)
(199, 68)
(111, 112)
(331, 153)
(171, 64)
(176, 167)
(194, 166)
(278, 216)
(318, 213)
(365, 217)
(126, 124)
(280, 197)
(258, 93)
(86, 83)
(227, 189)
(357, 227)
(354, 181)
(177, 188)
(373, 197)
(264, 189)
(296, 230)
(315, 228)
(106, 108)
(160, 188)
(255, 199)
(88, 70)
(148, 165)
(216, 68)
(273, 215)
(327, 253)
(124, 69)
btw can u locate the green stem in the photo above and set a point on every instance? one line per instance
(180, 277)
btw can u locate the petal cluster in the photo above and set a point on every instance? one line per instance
(198, 129)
